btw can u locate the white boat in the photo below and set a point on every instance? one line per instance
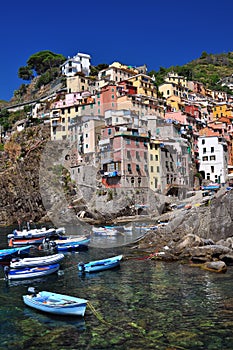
(29, 272)
(35, 233)
(36, 261)
(104, 231)
(54, 303)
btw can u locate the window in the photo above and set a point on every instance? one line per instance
(212, 157)
(203, 142)
(137, 142)
(208, 176)
(137, 167)
(212, 149)
(112, 97)
(128, 155)
(129, 168)
(152, 169)
(156, 157)
(204, 150)
(127, 141)
(212, 169)
(151, 156)
(157, 169)
(109, 131)
(205, 159)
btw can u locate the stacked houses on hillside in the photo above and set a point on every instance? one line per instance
(137, 135)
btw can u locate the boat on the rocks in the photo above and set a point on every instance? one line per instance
(100, 265)
(17, 263)
(29, 272)
(54, 303)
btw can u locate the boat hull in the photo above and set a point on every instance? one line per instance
(57, 304)
(36, 261)
(31, 272)
(100, 265)
(9, 253)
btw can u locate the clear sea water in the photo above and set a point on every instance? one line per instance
(144, 304)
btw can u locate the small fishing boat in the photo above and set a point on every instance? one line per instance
(29, 272)
(100, 265)
(70, 243)
(36, 261)
(104, 231)
(9, 253)
(54, 303)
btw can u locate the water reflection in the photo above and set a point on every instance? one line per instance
(141, 304)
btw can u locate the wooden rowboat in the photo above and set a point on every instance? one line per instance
(100, 265)
(55, 303)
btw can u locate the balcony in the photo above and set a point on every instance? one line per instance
(111, 173)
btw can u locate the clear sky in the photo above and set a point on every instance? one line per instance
(156, 33)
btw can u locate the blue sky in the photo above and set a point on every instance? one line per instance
(155, 33)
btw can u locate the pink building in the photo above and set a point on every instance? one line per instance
(123, 157)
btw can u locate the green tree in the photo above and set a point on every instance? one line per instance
(25, 73)
(42, 61)
(94, 70)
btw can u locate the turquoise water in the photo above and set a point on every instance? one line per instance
(141, 305)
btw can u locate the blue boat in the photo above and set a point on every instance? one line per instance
(100, 265)
(54, 303)
(29, 272)
(70, 243)
(9, 253)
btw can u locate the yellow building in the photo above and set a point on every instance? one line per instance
(77, 83)
(176, 79)
(222, 109)
(145, 85)
(154, 165)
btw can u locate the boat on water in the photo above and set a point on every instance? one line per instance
(70, 243)
(104, 231)
(17, 263)
(17, 242)
(54, 303)
(29, 272)
(36, 233)
(9, 253)
(100, 265)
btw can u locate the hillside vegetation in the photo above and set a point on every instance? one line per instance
(209, 69)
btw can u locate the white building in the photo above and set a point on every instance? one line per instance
(213, 156)
(79, 63)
